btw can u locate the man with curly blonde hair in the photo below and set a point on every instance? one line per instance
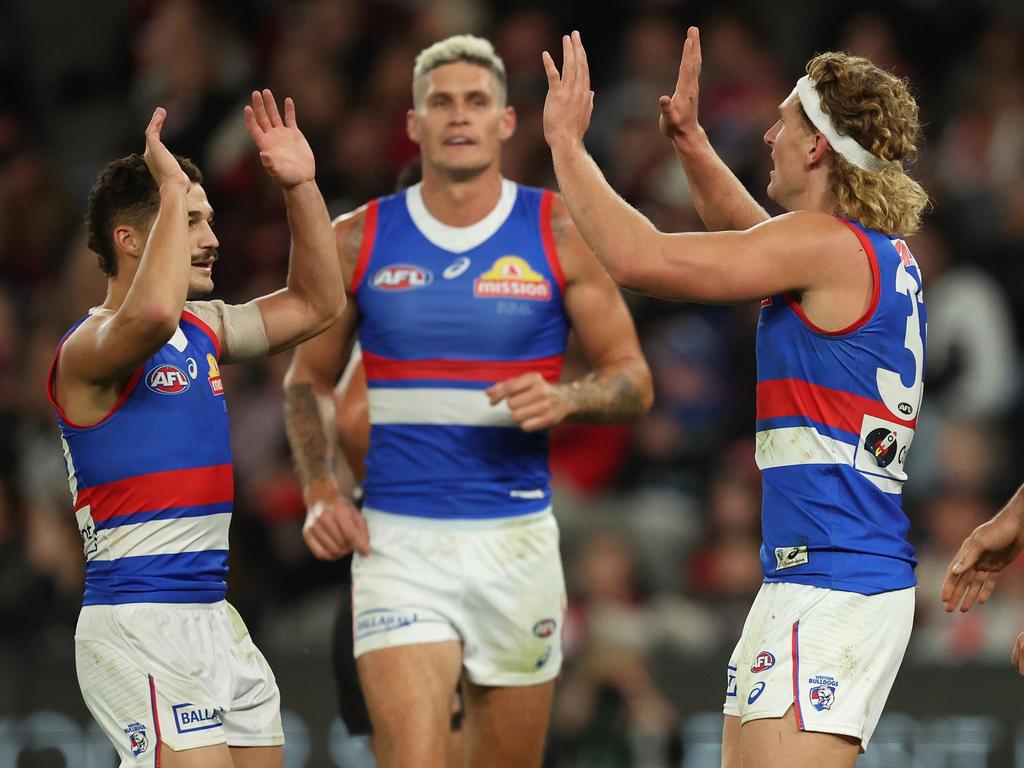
(840, 356)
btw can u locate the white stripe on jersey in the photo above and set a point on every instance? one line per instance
(165, 537)
(793, 446)
(427, 405)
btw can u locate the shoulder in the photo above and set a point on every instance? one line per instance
(807, 232)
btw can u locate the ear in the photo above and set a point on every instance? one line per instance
(129, 240)
(412, 126)
(507, 126)
(817, 153)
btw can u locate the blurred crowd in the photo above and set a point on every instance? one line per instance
(660, 518)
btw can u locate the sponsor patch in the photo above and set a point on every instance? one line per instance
(788, 557)
(511, 277)
(730, 681)
(137, 739)
(189, 717)
(545, 628)
(543, 658)
(213, 374)
(401, 277)
(823, 692)
(755, 692)
(383, 620)
(883, 445)
(456, 268)
(167, 379)
(764, 661)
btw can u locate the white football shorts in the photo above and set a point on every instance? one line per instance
(832, 656)
(496, 586)
(187, 675)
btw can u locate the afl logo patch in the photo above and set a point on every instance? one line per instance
(545, 628)
(167, 379)
(401, 277)
(764, 661)
(881, 444)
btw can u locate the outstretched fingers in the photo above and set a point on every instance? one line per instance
(289, 113)
(259, 111)
(554, 79)
(156, 123)
(270, 104)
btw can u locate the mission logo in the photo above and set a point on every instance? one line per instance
(511, 277)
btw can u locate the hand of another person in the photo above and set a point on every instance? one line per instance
(679, 111)
(161, 163)
(284, 151)
(570, 101)
(971, 576)
(334, 527)
(535, 403)
(1015, 655)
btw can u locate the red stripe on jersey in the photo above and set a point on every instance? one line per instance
(842, 410)
(795, 650)
(366, 247)
(156, 722)
(159, 490)
(876, 290)
(195, 320)
(381, 368)
(547, 237)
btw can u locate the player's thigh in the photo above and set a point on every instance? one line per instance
(257, 757)
(779, 743)
(731, 742)
(409, 691)
(506, 726)
(214, 756)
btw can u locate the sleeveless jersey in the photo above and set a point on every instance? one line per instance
(151, 482)
(836, 413)
(445, 313)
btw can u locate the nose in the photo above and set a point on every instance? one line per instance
(771, 133)
(208, 238)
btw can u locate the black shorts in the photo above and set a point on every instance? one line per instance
(351, 702)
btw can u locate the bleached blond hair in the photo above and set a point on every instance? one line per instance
(468, 48)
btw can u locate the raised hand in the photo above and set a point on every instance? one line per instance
(971, 576)
(570, 102)
(284, 151)
(679, 111)
(334, 527)
(534, 403)
(161, 163)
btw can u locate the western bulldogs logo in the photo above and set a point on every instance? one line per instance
(137, 741)
(764, 661)
(823, 692)
(401, 277)
(881, 444)
(167, 379)
(545, 628)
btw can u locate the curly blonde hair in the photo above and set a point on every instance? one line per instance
(877, 110)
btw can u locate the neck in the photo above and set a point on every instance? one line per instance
(117, 289)
(460, 202)
(816, 196)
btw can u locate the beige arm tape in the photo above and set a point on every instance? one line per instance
(240, 328)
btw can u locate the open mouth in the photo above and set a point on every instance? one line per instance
(458, 141)
(205, 266)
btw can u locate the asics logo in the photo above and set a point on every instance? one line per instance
(456, 268)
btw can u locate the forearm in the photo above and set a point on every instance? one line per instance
(158, 292)
(722, 202)
(613, 394)
(622, 238)
(311, 443)
(313, 270)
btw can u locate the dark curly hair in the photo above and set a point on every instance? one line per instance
(124, 193)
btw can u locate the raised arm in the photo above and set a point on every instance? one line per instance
(799, 252)
(722, 202)
(98, 358)
(314, 297)
(333, 526)
(620, 387)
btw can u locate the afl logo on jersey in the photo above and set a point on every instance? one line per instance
(401, 277)
(764, 661)
(881, 444)
(167, 379)
(545, 628)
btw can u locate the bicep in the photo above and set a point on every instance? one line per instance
(105, 351)
(774, 257)
(600, 318)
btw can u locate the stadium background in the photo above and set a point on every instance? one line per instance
(660, 518)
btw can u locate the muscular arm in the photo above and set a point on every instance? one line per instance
(314, 296)
(620, 386)
(314, 370)
(721, 200)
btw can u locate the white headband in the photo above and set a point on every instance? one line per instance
(847, 146)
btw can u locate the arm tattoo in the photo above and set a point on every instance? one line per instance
(605, 398)
(311, 449)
